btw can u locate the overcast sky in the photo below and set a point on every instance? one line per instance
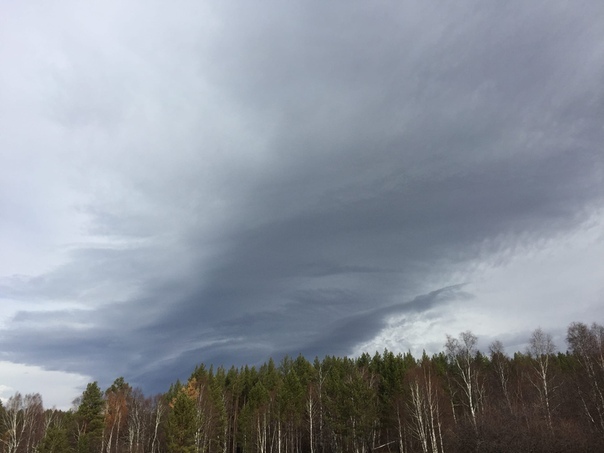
(222, 182)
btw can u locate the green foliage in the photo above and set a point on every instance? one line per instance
(351, 401)
(379, 402)
(89, 419)
(119, 386)
(181, 423)
(55, 441)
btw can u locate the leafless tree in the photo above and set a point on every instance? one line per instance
(541, 349)
(462, 354)
(501, 367)
(424, 408)
(159, 411)
(23, 420)
(587, 344)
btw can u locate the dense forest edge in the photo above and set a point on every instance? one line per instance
(459, 400)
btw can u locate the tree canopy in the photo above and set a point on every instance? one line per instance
(458, 400)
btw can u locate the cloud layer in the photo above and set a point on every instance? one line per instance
(225, 183)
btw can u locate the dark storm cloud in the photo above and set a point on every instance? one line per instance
(350, 330)
(394, 145)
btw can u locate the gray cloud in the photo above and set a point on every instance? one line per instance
(285, 178)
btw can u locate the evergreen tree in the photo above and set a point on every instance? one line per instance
(373, 403)
(89, 420)
(181, 423)
(55, 441)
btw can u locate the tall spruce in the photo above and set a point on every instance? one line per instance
(181, 423)
(89, 420)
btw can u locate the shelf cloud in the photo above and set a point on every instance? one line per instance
(225, 183)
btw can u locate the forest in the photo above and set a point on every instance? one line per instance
(459, 400)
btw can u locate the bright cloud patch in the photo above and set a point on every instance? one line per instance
(56, 387)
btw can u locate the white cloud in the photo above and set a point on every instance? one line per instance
(547, 286)
(58, 388)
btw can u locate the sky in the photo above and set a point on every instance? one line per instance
(222, 182)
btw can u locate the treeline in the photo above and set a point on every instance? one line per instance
(456, 401)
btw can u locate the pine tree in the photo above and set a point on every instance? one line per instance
(55, 441)
(181, 423)
(89, 419)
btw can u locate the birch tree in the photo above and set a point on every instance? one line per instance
(116, 413)
(461, 353)
(159, 409)
(500, 363)
(424, 408)
(587, 345)
(23, 421)
(13, 423)
(541, 349)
